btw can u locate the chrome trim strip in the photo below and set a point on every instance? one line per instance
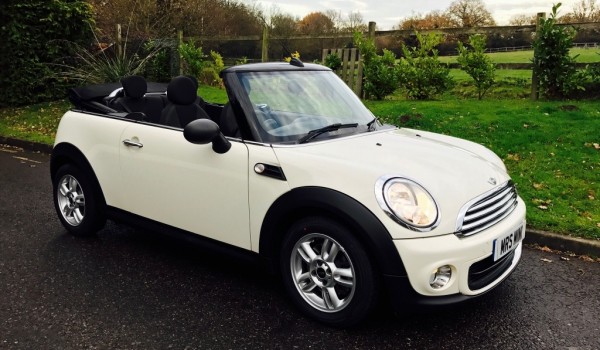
(495, 195)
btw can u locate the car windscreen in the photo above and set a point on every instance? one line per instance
(288, 105)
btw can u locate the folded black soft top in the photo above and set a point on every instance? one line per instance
(99, 91)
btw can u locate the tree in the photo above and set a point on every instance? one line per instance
(432, 20)
(421, 72)
(522, 20)
(477, 64)
(585, 11)
(316, 23)
(552, 63)
(355, 23)
(469, 13)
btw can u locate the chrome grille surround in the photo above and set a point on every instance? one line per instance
(486, 210)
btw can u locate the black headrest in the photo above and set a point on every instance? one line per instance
(134, 86)
(182, 91)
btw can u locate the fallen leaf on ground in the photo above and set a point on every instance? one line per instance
(545, 249)
(543, 207)
(546, 260)
(596, 145)
(537, 186)
(564, 258)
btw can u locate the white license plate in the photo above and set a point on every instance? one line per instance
(505, 244)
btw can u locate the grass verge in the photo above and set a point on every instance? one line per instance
(551, 149)
(583, 56)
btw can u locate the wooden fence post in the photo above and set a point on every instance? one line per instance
(179, 43)
(265, 44)
(535, 90)
(119, 42)
(372, 26)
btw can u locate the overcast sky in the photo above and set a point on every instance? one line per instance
(388, 13)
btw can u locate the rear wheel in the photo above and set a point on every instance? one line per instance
(76, 201)
(327, 272)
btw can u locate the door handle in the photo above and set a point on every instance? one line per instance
(130, 143)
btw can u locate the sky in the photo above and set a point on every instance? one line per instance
(388, 13)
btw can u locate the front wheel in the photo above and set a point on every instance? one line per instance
(77, 202)
(327, 272)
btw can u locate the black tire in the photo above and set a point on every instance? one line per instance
(339, 291)
(77, 201)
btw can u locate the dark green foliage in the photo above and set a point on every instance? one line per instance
(552, 64)
(33, 40)
(477, 64)
(421, 72)
(157, 68)
(380, 72)
(333, 61)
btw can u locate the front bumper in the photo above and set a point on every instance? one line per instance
(473, 271)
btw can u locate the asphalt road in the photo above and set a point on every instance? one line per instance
(127, 289)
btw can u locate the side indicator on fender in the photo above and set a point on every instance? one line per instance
(269, 171)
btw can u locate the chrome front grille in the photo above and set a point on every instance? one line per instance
(486, 210)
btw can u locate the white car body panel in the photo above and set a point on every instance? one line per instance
(185, 185)
(352, 165)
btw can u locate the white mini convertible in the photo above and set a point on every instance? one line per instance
(296, 171)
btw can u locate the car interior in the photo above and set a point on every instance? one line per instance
(174, 105)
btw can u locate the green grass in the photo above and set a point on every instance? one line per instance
(548, 147)
(585, 56)
(35, 123)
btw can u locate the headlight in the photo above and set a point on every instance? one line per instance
(407, 202)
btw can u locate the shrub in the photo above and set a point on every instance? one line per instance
(192, 58)
(552, 64)
(33, 34)
(380, 72)
(158, 66)
(477, 64)
(104, 65)
(333, 61)
(210, 71)
(421, 73)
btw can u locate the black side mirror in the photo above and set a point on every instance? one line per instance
(203, 131)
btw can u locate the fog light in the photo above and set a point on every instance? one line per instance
(440, 277)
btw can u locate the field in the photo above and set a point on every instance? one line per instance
(583, 56)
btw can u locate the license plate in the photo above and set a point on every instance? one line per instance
(505, 244)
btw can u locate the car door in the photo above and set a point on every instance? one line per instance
(167, 179)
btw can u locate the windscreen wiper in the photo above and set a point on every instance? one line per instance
(333, 127)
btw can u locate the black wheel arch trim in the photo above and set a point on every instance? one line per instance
(319, 201)
(64, 153)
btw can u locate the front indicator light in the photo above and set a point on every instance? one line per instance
(440, 277)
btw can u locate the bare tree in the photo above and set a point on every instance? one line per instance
(355, 22)
(469, 13)
(522, 20)
(586, 11)
(432, 20)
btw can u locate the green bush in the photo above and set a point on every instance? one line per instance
(210, 71)
(33, 35)
(158, 66)
(552, 64)
(380, 72)
(421, 72)
(333, 61)
(477, 64)
(192, 58)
